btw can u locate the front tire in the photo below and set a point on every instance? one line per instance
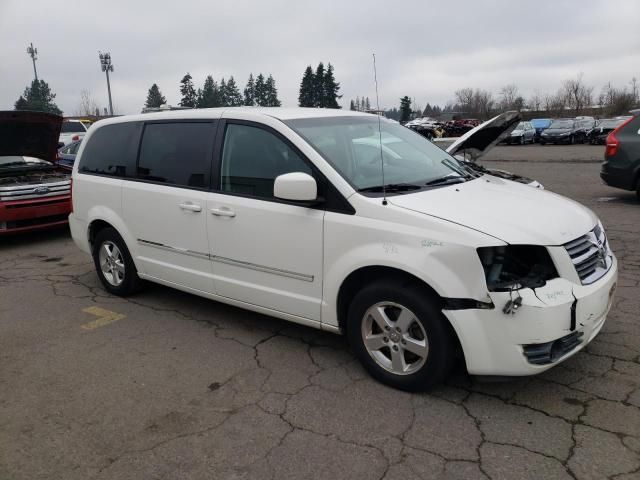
(400, 335)
(114, 265)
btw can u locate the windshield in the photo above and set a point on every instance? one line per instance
(561, 124)
(72, 127)
(540, 122)
(352, 146)
(520, 126)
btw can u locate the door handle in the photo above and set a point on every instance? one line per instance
(223, 212)
(192, 207)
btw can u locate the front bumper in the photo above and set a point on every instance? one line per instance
(34, 214)
(494, 343)
(556, 139)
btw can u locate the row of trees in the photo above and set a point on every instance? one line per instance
(573, 97)
(360, 105)
(259, 91)
(319, 89)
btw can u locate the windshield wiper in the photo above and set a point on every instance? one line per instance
(448, 180)
(391, 187)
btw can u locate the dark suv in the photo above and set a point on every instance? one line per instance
(621, 167)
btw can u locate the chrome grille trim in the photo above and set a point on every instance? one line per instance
(590, 255)
(27, 192)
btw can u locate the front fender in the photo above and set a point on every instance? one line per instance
(451, 268)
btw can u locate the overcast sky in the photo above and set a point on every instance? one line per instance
(424, 49)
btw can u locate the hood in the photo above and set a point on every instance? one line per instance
(479, 140)
(29, 134)
(512, 212)
(555, 131)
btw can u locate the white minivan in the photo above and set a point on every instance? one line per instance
(349, 223)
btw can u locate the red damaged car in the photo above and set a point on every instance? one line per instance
(34, 192)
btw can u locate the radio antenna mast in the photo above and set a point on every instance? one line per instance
(375, 79)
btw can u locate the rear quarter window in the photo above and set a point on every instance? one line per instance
(111, 150)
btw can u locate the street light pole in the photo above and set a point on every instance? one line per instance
(33, 53)
(105, 63)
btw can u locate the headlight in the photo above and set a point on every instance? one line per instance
(516, 266)
(565, 134)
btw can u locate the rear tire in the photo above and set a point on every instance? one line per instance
(114, 265)
(400, 335)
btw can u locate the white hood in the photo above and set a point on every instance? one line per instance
(479, 140)
(510, 211)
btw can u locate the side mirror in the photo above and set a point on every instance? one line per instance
(296, 186)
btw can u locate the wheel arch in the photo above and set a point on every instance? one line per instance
(369, 274)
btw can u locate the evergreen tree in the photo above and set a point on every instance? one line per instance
(21, 104)
(405, 109)
(199, 98)
(318, 87)
(306, 98)
(189, 96)
(367, 105)
(210, 96)
(38, 97)
(250, 92)
(224, 100)
(271, 92)
(358, 103)
(154, 97)
(260, 91)
(330, 89)
(234, 98)
(352, 105)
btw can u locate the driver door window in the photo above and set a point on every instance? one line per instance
(252, 158)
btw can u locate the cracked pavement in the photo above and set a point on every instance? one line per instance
(183, 387)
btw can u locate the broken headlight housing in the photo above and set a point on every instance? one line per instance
(512, 267)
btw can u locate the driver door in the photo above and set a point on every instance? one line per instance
(265, 251)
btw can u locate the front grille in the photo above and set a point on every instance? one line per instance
(590, 255)
(550, 352)
(36, 204)
(39, 190)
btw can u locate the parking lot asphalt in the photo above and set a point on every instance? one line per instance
(168, 385)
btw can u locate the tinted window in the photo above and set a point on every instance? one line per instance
(177, 153)
(252, 158)
(112, 150)
(73, 127)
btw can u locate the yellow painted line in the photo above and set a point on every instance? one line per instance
(105, 317)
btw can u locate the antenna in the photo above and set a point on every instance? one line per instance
(375, 79)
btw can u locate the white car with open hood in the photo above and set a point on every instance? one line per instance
(350, 223)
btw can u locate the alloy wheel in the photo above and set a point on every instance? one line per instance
(111, 263)
(394, 338)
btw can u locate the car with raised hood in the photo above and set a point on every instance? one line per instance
(34, 191)
(621, 167)
(598, 134)
(349, 223)
(477, 142)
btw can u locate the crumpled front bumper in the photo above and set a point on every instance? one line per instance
(493, 341)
